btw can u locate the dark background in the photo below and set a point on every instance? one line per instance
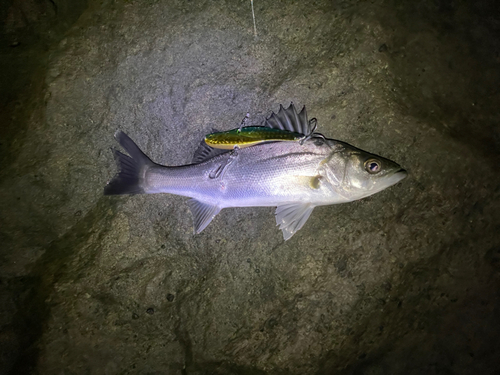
(404, 282)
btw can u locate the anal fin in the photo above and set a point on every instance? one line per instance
(203, 213)
(291, 217)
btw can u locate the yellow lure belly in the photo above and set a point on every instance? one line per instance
(249, 136)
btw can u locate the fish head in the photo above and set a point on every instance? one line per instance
(356, 174)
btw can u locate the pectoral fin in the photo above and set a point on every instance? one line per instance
(291, 217)
(203, 213)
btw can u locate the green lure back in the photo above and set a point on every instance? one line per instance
(249, 136)
(285, 126)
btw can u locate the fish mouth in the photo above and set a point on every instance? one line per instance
(394, 178)
(397, 176)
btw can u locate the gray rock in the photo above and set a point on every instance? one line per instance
(404, 282)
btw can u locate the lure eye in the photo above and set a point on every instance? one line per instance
(373, 166)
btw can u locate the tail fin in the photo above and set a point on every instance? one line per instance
(129, 179)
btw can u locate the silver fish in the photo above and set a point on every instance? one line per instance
(294, 176)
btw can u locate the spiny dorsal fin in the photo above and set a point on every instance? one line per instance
(288, 119)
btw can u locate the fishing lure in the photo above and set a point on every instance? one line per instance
(279, 128)
(249, 136)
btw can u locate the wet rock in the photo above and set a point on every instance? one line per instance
(404, 281)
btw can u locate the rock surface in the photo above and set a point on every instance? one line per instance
(404, 282)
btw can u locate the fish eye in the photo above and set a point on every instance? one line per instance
(373, 166)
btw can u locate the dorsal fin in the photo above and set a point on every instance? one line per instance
(205, 152)
(288, 119)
